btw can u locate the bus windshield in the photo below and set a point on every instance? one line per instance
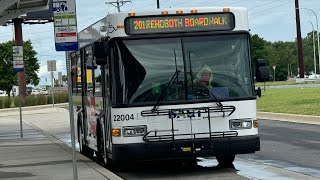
(181, 69)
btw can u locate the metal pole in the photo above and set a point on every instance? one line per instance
(314, 49)
(299, 41)
(21, 75)
(158, 4)
(317, 32)
(52, 87)
(118, 5)
(274, 74)
(20, 111)
(72, 128)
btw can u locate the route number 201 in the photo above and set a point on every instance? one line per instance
(123, 117)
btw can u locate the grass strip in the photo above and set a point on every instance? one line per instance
(304, 101)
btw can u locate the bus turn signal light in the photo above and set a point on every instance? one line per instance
(116, 132)
(164, 12)
(256, 123)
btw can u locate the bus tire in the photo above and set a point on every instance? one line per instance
(85, 150)
(225, 161)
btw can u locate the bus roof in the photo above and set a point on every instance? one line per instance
(113, 24)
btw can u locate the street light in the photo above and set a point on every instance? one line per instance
(314, 50)
(317, 31)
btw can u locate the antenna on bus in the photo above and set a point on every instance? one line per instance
(118, 3)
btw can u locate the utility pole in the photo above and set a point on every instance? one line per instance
(299, 41)
(158, 4)
(119, 3)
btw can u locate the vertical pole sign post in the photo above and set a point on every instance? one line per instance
(66, 39)
(60, 79)
(51, 65)
(18, 66)
(274, 72)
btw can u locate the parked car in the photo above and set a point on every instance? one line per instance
(35, 92)
(3, 93)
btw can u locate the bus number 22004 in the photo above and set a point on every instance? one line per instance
(123, 117)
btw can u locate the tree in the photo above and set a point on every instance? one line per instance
(7, 76)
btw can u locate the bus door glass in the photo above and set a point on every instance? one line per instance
(97, 89)
(89, 94)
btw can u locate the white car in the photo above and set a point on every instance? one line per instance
(3, 93)
(35, 92)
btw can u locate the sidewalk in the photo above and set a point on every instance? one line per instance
(39, 156)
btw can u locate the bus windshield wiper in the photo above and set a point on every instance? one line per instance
(206, 88)
(165, 92)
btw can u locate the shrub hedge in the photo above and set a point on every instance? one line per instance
(33, 100)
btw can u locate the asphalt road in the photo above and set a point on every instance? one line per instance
(292, 146)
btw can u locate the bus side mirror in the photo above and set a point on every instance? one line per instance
(101, 50)
(262, 71)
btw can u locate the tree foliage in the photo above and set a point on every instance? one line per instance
(284, 55)
(7, 76)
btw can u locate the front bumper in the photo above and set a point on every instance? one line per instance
(186, 148)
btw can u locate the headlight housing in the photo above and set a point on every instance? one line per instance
(240, 124)
(131, 131)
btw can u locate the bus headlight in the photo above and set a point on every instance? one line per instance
(240, 124)
(134, 131)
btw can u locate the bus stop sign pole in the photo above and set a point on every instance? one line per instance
(72, 128)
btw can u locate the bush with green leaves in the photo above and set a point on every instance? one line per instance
(58, 98)
(30, 101)
(7, 102)
(41, 99)
(1, 102)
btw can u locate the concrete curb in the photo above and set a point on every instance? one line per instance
(290, 117)
(29, 108)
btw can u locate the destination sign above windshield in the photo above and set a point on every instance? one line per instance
(179, 23)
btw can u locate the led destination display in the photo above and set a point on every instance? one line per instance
(179, 23)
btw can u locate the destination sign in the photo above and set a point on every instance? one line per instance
(179, 23)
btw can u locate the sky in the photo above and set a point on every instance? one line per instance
(273, 20)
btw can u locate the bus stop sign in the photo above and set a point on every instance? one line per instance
(65, 25)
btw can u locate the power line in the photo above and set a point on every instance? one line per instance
(264, 4)
(274, 7)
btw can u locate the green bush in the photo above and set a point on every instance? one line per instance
(58, 98)
(41, 99)
(1, 102)
(30, 101)
(16, 101)
(7, 102)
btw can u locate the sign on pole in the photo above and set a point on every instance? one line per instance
(65, 25)
(60, 78)
(52, 65)
(66, 39)
(18, 65)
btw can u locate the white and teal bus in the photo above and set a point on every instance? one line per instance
(166, 84)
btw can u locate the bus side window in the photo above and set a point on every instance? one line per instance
(89, 69)
(73, 73)
(97, 80)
